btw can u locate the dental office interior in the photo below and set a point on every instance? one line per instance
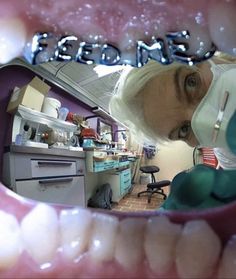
(60, 145)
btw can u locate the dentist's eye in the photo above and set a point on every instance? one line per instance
(191, 82)
(193, 88)
(184, 131)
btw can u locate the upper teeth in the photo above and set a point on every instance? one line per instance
(12, 39)
(193, 249)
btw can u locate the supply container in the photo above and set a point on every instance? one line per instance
(145, 178)
(63, 112)
(31, 95)
(51, 107)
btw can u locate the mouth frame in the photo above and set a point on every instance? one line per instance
(221, 219)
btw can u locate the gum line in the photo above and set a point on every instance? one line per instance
(121, 24)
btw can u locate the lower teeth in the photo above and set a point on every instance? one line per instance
(193, 249)
(10, 240)
(40, 229)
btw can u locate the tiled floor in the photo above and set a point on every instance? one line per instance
(132, 203)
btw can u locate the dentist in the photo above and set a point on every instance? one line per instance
(195, 104)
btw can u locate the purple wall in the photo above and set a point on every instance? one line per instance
(19, 76)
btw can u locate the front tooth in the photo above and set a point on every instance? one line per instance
(160, 243)
(197, 250)
(221, 22)
(10, 240)
(75, 230)
(12, 39)
(40, 233)
(129, 243)
(227, 267)
(103, 237)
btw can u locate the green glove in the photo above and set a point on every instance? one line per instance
(231, 133)
(195, 186)
(201, 187)
(225, 188)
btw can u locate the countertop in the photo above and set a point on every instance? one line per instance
(44, 151)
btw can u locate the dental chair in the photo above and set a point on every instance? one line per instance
(154, 186)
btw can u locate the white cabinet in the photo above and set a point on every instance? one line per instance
(68, 190)
(120, 182)
(52, 176)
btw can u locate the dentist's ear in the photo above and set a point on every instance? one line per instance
(231, 133)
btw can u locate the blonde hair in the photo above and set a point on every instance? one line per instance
(126, 106)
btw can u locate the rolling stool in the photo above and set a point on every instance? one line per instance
(154, 186)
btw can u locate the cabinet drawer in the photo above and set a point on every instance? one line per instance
(124, 189)
(125, 186)
(125, 175)
(64, 190)
(123, 164)
(106, 165)
(47, 168)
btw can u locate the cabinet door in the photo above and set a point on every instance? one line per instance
(66, 190)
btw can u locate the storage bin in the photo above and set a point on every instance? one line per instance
(145, 178)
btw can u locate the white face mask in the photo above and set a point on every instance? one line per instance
(211, 117)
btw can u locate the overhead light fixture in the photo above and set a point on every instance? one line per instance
(103, 70)
(106, 115)
(102, 113)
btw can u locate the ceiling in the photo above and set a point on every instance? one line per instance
(85, 81)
